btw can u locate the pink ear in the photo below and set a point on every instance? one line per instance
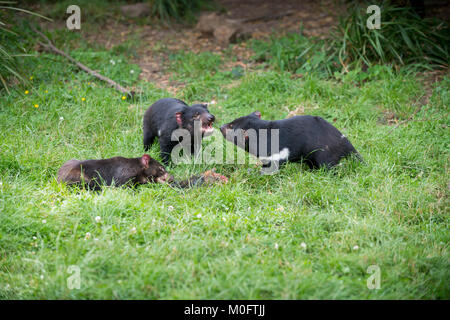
(178, 117)
(257, 113)
(145, 160)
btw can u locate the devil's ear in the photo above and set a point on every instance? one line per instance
(257, 113)
(178, 117)
(204, 105)
(145, 160)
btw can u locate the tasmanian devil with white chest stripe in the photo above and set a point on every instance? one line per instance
(301, 138)
(167, 115)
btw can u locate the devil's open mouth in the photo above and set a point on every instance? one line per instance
(166, 178)
(207, 128)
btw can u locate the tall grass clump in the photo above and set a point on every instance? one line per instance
(403, 39)
(12, 45)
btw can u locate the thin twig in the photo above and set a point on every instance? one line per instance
(50, 47)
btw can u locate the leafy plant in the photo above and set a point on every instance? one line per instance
(403, 39)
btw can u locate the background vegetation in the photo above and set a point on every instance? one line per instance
(404, 39)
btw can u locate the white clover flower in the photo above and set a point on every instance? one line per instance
(303, 245)
(98, 219)
(276, 246)
(133, 230)
(42, 276)
(224, 219)
(170, 208)
(44, 221)
(88, 236)
(61, 118)
(131, 71)
(199, 215)
(34, 238)
(112, 62)
(355, 247)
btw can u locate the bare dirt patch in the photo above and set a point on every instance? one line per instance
(157, 41)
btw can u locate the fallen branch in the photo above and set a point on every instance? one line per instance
(50, 47)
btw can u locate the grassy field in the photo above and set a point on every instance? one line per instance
(298, 234)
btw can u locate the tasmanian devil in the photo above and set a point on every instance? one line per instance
(167, 115)
(117, 171)
(301, 138)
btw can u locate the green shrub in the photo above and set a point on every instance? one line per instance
(403, 39)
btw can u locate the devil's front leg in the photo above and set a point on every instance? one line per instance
(166, 147)
(272, 166)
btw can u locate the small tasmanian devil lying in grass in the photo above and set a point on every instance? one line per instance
(167, 115)
(301, 138)
(128, 171)
(117, 171)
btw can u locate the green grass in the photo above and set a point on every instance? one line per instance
(296, 53)
(242, 240)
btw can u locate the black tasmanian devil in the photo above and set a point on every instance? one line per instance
(117, 171)
(301, 138)
(167, 115)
